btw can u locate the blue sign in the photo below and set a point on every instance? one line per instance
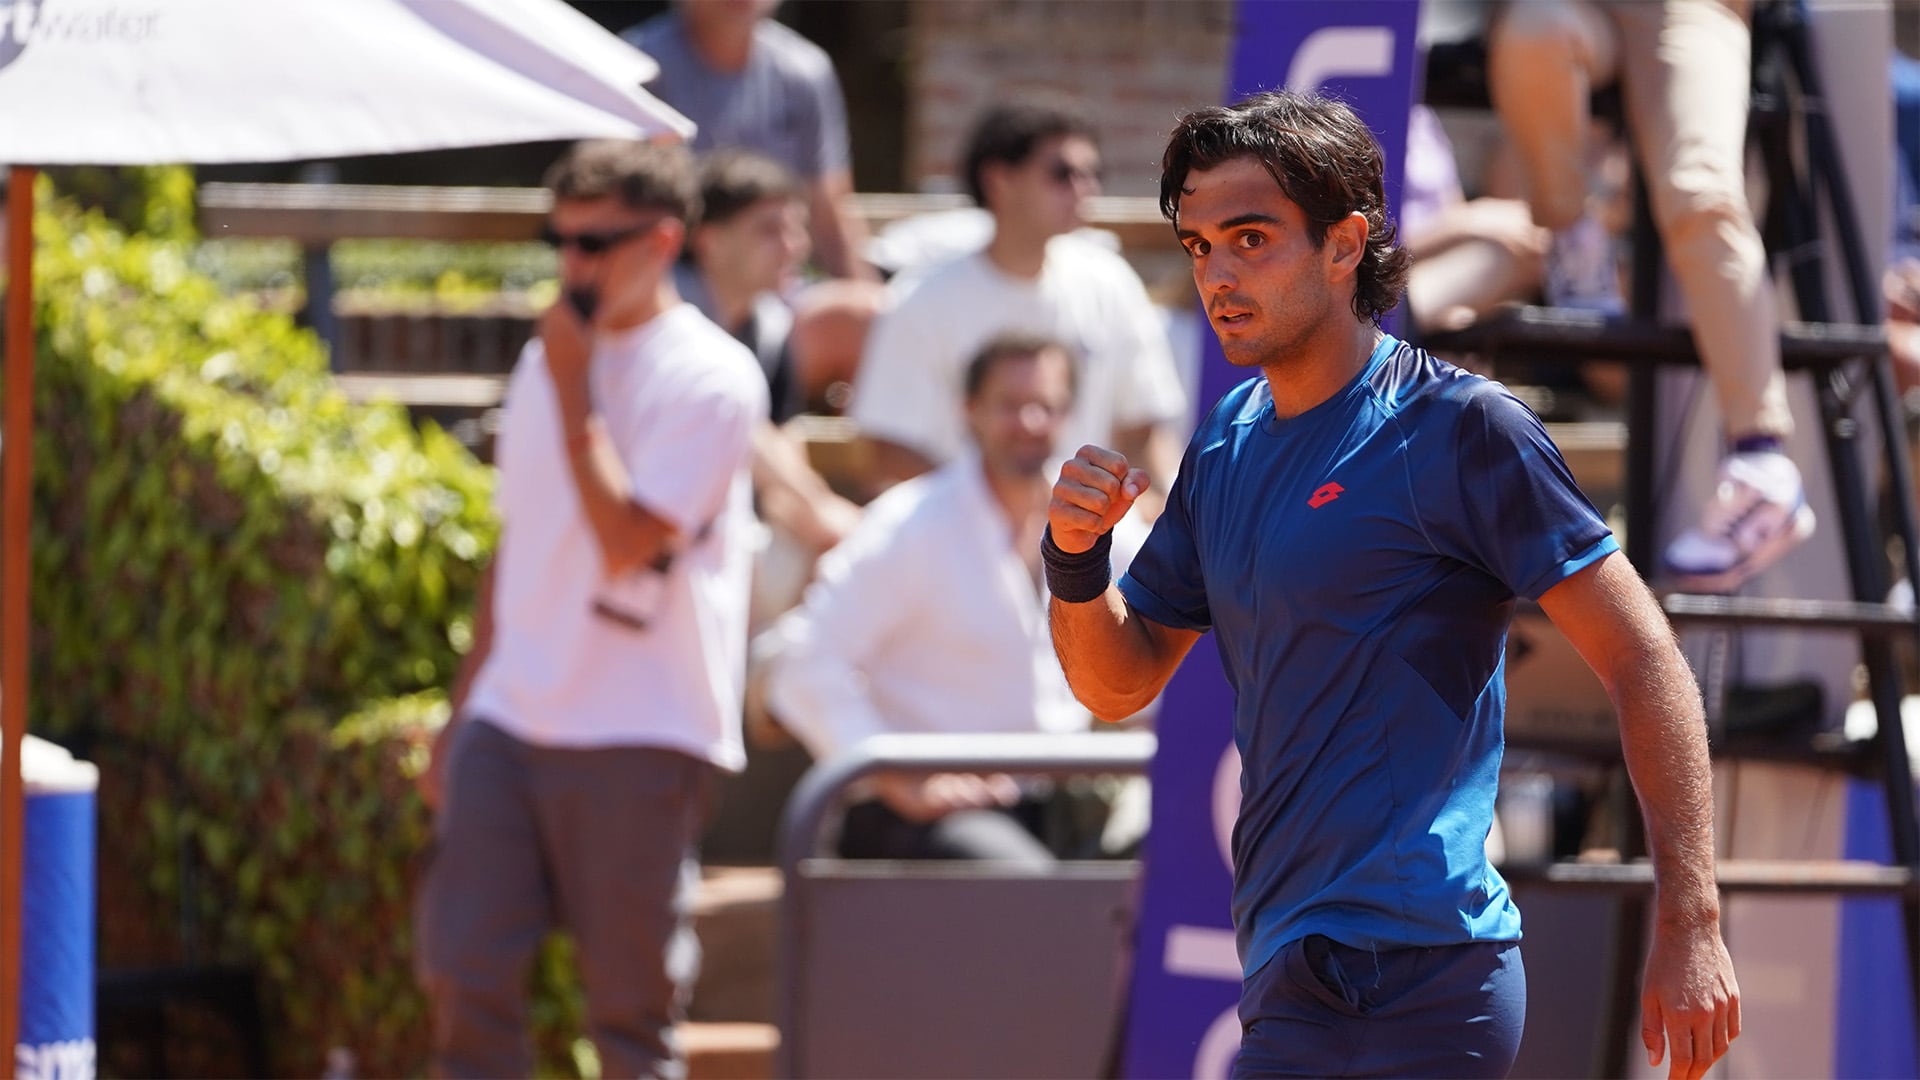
(1181, 1017)
(56, 926)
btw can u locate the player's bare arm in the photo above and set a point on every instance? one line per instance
(1690, 1002)
(1115, 660)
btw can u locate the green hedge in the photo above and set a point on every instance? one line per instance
(392, 272)
(248, 593)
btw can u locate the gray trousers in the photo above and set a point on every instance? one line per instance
(597, 842)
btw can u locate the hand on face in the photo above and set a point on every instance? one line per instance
(1095, 490)
(612, 252)
(566, 340)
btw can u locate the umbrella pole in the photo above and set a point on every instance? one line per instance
(16, 507)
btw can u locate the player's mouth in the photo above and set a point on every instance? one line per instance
(1232, 319)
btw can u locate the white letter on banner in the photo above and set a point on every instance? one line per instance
(25, 15)
(1218, 1047)
(77, 1059)
(1364, 52)
(1201, 952)
(1226, 801)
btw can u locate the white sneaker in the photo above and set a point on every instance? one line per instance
(1581, 271)
(1757, 514)
(1900, 597)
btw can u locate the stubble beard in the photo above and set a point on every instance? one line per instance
(1274, 349)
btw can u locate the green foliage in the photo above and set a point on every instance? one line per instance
(228, 559)
(156, 200)
(391, 273)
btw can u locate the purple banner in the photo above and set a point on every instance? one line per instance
(1186, 978)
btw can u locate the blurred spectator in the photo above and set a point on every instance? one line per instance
(886, 642)
(603, 690)
(1032, 167)
(1470, 256)
(927, 239)
(751, 83)
(1902, 280)
(1906, 149)
(748, 244)
(831, 320)
(1683, 71)
(751, 239)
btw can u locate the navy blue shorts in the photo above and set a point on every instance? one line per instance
(1320, 1008)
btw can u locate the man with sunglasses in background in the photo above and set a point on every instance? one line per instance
(1032, 167)
(603, 689)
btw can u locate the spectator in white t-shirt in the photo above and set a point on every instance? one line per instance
(931, 618)
(1032, 167)
(603, 692)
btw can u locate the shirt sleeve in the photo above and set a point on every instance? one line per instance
(681, 458)
(829, 148)
(904, 392)
(1517, 512)
(1164, 580)
(863, 594)
(1150, 391)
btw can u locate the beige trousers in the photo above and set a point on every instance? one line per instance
(1683, 69)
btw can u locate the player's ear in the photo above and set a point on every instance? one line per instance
(1345, 245)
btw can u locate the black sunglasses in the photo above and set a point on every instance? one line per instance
(1063, 173)
(592, 243)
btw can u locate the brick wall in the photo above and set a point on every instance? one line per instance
(1132, 65)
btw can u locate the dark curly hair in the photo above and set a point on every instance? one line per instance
(1325, 161)
(642, 175)
(1007, 133)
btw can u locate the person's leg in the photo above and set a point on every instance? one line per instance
(484, 907)
(871, 830)
(993, 835)
(1686, 85)
(1544, 58)
(621, 823)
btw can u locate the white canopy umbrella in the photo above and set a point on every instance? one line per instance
(106, 82)
(125, 82)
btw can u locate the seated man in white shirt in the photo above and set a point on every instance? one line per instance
(931, 617)
(1033, 168)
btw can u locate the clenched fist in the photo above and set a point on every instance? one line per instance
(1095, 490)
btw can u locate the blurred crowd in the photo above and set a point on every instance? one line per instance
(681, 549)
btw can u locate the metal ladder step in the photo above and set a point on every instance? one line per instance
(1776, 876)
(1859, 616)
(1561, 333)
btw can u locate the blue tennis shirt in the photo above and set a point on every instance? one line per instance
(1358, 565)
